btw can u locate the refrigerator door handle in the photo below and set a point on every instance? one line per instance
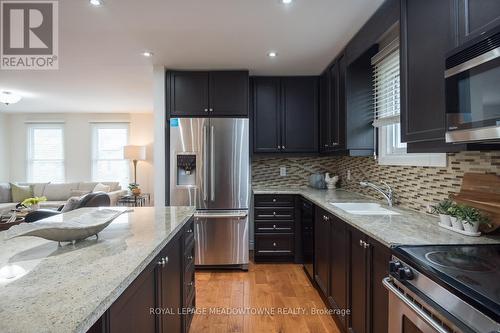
(205, 163)
(212, 164)
(221, 214)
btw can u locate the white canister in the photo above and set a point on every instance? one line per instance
(456, 223)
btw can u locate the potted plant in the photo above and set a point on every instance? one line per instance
(454, 212)
(33, 203)
(134, 188)
(442, 210)
(471, 218)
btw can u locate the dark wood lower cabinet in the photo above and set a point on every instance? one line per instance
(339, 267)
(369, 299)
(162, 297)
(131, 311)
(349, 267)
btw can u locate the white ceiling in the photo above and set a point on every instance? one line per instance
(101, 68)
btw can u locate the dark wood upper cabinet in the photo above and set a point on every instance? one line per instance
(322, 250)
(189, 93)
(333, 111)
(299, 114)
(285, 114)
(266, 115)
(207, 94)
(229, 93)
(170, 288)
(423, 50)
(476, 17)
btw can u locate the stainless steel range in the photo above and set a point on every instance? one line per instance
(210, 169)
(445, 289)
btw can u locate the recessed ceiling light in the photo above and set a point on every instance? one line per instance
(6, 97)
(96, 2)
(272, 54)
(286, 2)
(147, 54)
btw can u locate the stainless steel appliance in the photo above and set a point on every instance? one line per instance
(307, 226)
(472, 79)
(444, 289)
(210, 169)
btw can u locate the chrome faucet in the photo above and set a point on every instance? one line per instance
(387, 192)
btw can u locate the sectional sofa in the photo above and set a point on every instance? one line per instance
(58, 194)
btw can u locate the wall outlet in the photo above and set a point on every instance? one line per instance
(348, 175)
(283, 171)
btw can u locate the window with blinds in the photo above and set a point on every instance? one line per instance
(108, 164)
(45, 153)
(386, 85)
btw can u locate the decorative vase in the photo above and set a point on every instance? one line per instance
(456, 223)
(470, 226)
(445, 219)
(136, 191)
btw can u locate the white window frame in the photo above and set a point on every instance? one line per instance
(94, 127)
(391, 151)
(30, 148)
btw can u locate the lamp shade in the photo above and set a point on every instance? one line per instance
(134, 153)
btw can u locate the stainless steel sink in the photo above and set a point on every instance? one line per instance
(363, 208)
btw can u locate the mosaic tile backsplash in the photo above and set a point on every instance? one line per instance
(414, 187)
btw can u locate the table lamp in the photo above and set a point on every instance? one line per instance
(135, 154)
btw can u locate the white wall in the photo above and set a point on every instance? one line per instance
(159, 135)
(4, 148)
(78, 143)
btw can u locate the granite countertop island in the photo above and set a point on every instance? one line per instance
(408, 228)
(68, 288)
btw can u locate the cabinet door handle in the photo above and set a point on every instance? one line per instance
(283, 147)
(274, 200)
(189, 231)
(274, 244)
(361, 242)
(274, 213)
(325, 218)
(211, 110)
(326, 145)
(190, 257)
(274, 226)
(206, 110)
(366, 245)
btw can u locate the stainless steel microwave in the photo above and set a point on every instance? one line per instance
(472, 78)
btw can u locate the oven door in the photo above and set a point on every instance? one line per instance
(405, 316)
(473, 99)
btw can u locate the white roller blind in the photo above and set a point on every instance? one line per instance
(108, 164)
(386, 85)
(45, 153)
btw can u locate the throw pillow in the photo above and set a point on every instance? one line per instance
(20, 193)
(78, 193)
(71, 204)
(101, 188)
(5, 193)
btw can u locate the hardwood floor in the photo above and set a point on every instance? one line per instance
(270, 287)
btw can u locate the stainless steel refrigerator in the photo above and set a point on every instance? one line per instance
(210, 169)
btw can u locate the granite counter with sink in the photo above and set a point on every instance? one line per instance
(409, 227)
(47, 288)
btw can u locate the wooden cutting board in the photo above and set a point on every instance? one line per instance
(482, 191)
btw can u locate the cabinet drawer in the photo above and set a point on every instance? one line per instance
(274, 244)
(273, 226)
(271, 200)
(274, 213)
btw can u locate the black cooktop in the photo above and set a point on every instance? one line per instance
(472, 272)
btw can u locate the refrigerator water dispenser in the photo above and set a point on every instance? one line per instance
(186, 169)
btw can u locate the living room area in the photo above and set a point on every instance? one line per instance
(61, 161)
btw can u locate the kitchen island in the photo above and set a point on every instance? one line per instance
(73, 288)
